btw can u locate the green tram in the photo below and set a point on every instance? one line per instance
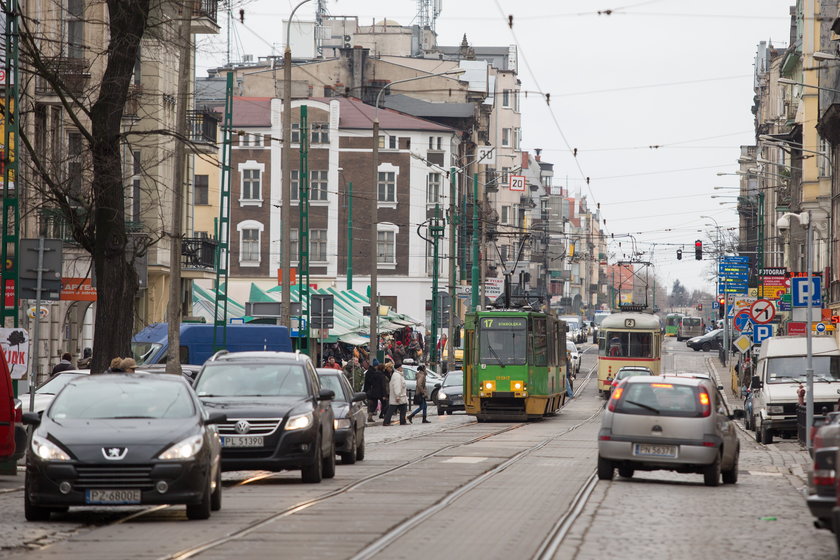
(672, 323)
(514, 364)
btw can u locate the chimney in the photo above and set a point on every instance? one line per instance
(537, 153)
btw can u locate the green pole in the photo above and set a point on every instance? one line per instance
(350, 236)
(436, 231)
(475, 233)
(303, 236)
(760, 245)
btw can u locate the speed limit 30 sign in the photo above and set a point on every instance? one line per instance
(762, 311)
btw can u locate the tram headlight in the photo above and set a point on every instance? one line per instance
(489, 385)
(517, 385)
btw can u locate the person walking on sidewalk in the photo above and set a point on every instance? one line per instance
(376, 388)
(420, 395)
(397, 397)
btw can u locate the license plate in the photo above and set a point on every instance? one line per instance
(96, 496)
(457, 401)
(242, 441)
(652, 450)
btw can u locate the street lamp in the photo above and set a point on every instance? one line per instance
(783, 223)
(723, 292)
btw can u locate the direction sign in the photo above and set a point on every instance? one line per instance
(735, 259)
(802, 292)
(761, 333)
(762, 311)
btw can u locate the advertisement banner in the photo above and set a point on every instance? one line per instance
(77, 289)
(15, 345)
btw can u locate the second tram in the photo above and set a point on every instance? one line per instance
(628, 339)
(672, 323)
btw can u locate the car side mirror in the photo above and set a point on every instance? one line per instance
(326, 395)
(31, 418)
(359, 397)
(755, 382)
(738, 414)
(437, 385)
(215, 418)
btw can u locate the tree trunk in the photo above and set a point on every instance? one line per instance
(116, 278)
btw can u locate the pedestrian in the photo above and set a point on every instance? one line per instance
(375, 387)
(570, 390)
(128, 365)
(87, 357)
(331, 363)
(64, 364)
(397, 397)
(115, 366)
(354, 372)
(800, 394)
(413, 348)
(420, 395)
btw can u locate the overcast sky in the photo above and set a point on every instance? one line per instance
(666, 73)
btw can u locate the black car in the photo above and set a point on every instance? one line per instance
(122, 439)
(278, 416)
(450, 395)
(350, 412)
(712, 340)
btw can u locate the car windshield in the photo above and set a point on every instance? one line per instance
(791, 369)
(143, 351)
(409, 374)
(333, 383)
(570, 346)
(125, 398)
(623, 373)
(57, 383)
(252, 380)
(453, 379)
(661, 399)
(502, 340)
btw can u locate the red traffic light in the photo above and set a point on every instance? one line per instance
(698, 250)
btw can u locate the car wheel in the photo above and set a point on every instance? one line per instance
(757, 432)
(433, 396)
(626, 472)
(216, 496)
(313, 473)
(711, 473)
(448, 412)
(201, 510)
(360, 450)
(605, 469)
(32, 512)
(766, 435)
(441, 410)
(731, 476)
(349, 457)
(329, 461)
(706, 347)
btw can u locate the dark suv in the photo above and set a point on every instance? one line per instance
(278, 416)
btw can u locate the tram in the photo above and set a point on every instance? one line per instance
(672, 323)
(514, 364)
(628, 339)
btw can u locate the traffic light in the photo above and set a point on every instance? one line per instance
(721, 307)
(698, 250)
(679, 254)
(699, 307)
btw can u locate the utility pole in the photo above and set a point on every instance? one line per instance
(475, 240)
(303, 231)
(436, 230)
(374, 261)
(173, 315)
(453, 226)
(350, 235)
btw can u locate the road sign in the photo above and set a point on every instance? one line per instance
(486, 155)
(517, 182)
(822, 327)
(742, 318)
(715, 304)
(762, 311)
(819, 327)
(796, 328)
(742, 343)
(761, 333)
(801, 292)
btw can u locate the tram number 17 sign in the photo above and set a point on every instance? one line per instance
(762, 311)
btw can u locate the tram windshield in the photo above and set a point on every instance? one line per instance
(627, 344)
(503, 340)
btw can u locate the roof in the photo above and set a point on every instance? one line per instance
(616, 321)
(252, 111)
(422, 108)
(355, 114)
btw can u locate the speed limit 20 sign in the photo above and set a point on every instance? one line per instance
(517, 182)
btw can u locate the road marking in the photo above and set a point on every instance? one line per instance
(762, 473)
(465, 460)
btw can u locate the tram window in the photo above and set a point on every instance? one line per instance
(627, 344)
(539, 342)
(503, 341)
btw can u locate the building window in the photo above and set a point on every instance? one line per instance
(295, 133)
(505, 137)
(75, 150)
(295, 245)
(381, 142)
(318, 245)
(201, 187)
(517, 138)
(506, 98)
(440, 143)
(249, 242)
(75, 28)
(295, 185)
(387, 191)
(433, 188)
(505, 214)
(318, 185)
(138, 69)
(505, 175)
(251, 184)
(386, 247)
(320, 133)
(392, 143)
(136, 171)
(431, 142)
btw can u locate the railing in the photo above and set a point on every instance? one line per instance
(198, 253)
(202, 126)
(206, 8)
(71, 74)
(56, 225)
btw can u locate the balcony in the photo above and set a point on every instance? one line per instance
(198, 253)
(71, 74)
(132, 102)
(201, 127)
(204, 17)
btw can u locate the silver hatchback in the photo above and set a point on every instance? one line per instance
(672, 423)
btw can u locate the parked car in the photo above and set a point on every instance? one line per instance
(628, 371)
(574, 327)
(822, 482)
(45, 394)
(123, 439)
(712, 340)
(278, 415)
(21, 434)
(190, 372)
(432, 378)
(673, 423)
(7, 412)
(450, 395)
(350, 413)
(574, 355)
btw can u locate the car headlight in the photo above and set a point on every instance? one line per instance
(184, 449)
(341, 423)
(775, 409)
(299, 422)
(442, 396)
(47, 450)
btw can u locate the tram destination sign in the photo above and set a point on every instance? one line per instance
(503, 323)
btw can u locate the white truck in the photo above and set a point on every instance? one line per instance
(780, 371)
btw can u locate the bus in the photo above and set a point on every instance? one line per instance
(514, 364)
(628, 339)
(689, 328)
(672, 323)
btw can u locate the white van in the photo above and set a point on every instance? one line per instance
(779, 371)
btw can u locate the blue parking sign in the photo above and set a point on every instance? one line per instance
(762, 333)
(800, 292)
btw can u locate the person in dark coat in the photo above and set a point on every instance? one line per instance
(64, 364)
(375, 387)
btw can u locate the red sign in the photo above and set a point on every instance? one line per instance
(762, 311)
(292, 275)
(10, 293)
(796, 328)
(77, 289)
